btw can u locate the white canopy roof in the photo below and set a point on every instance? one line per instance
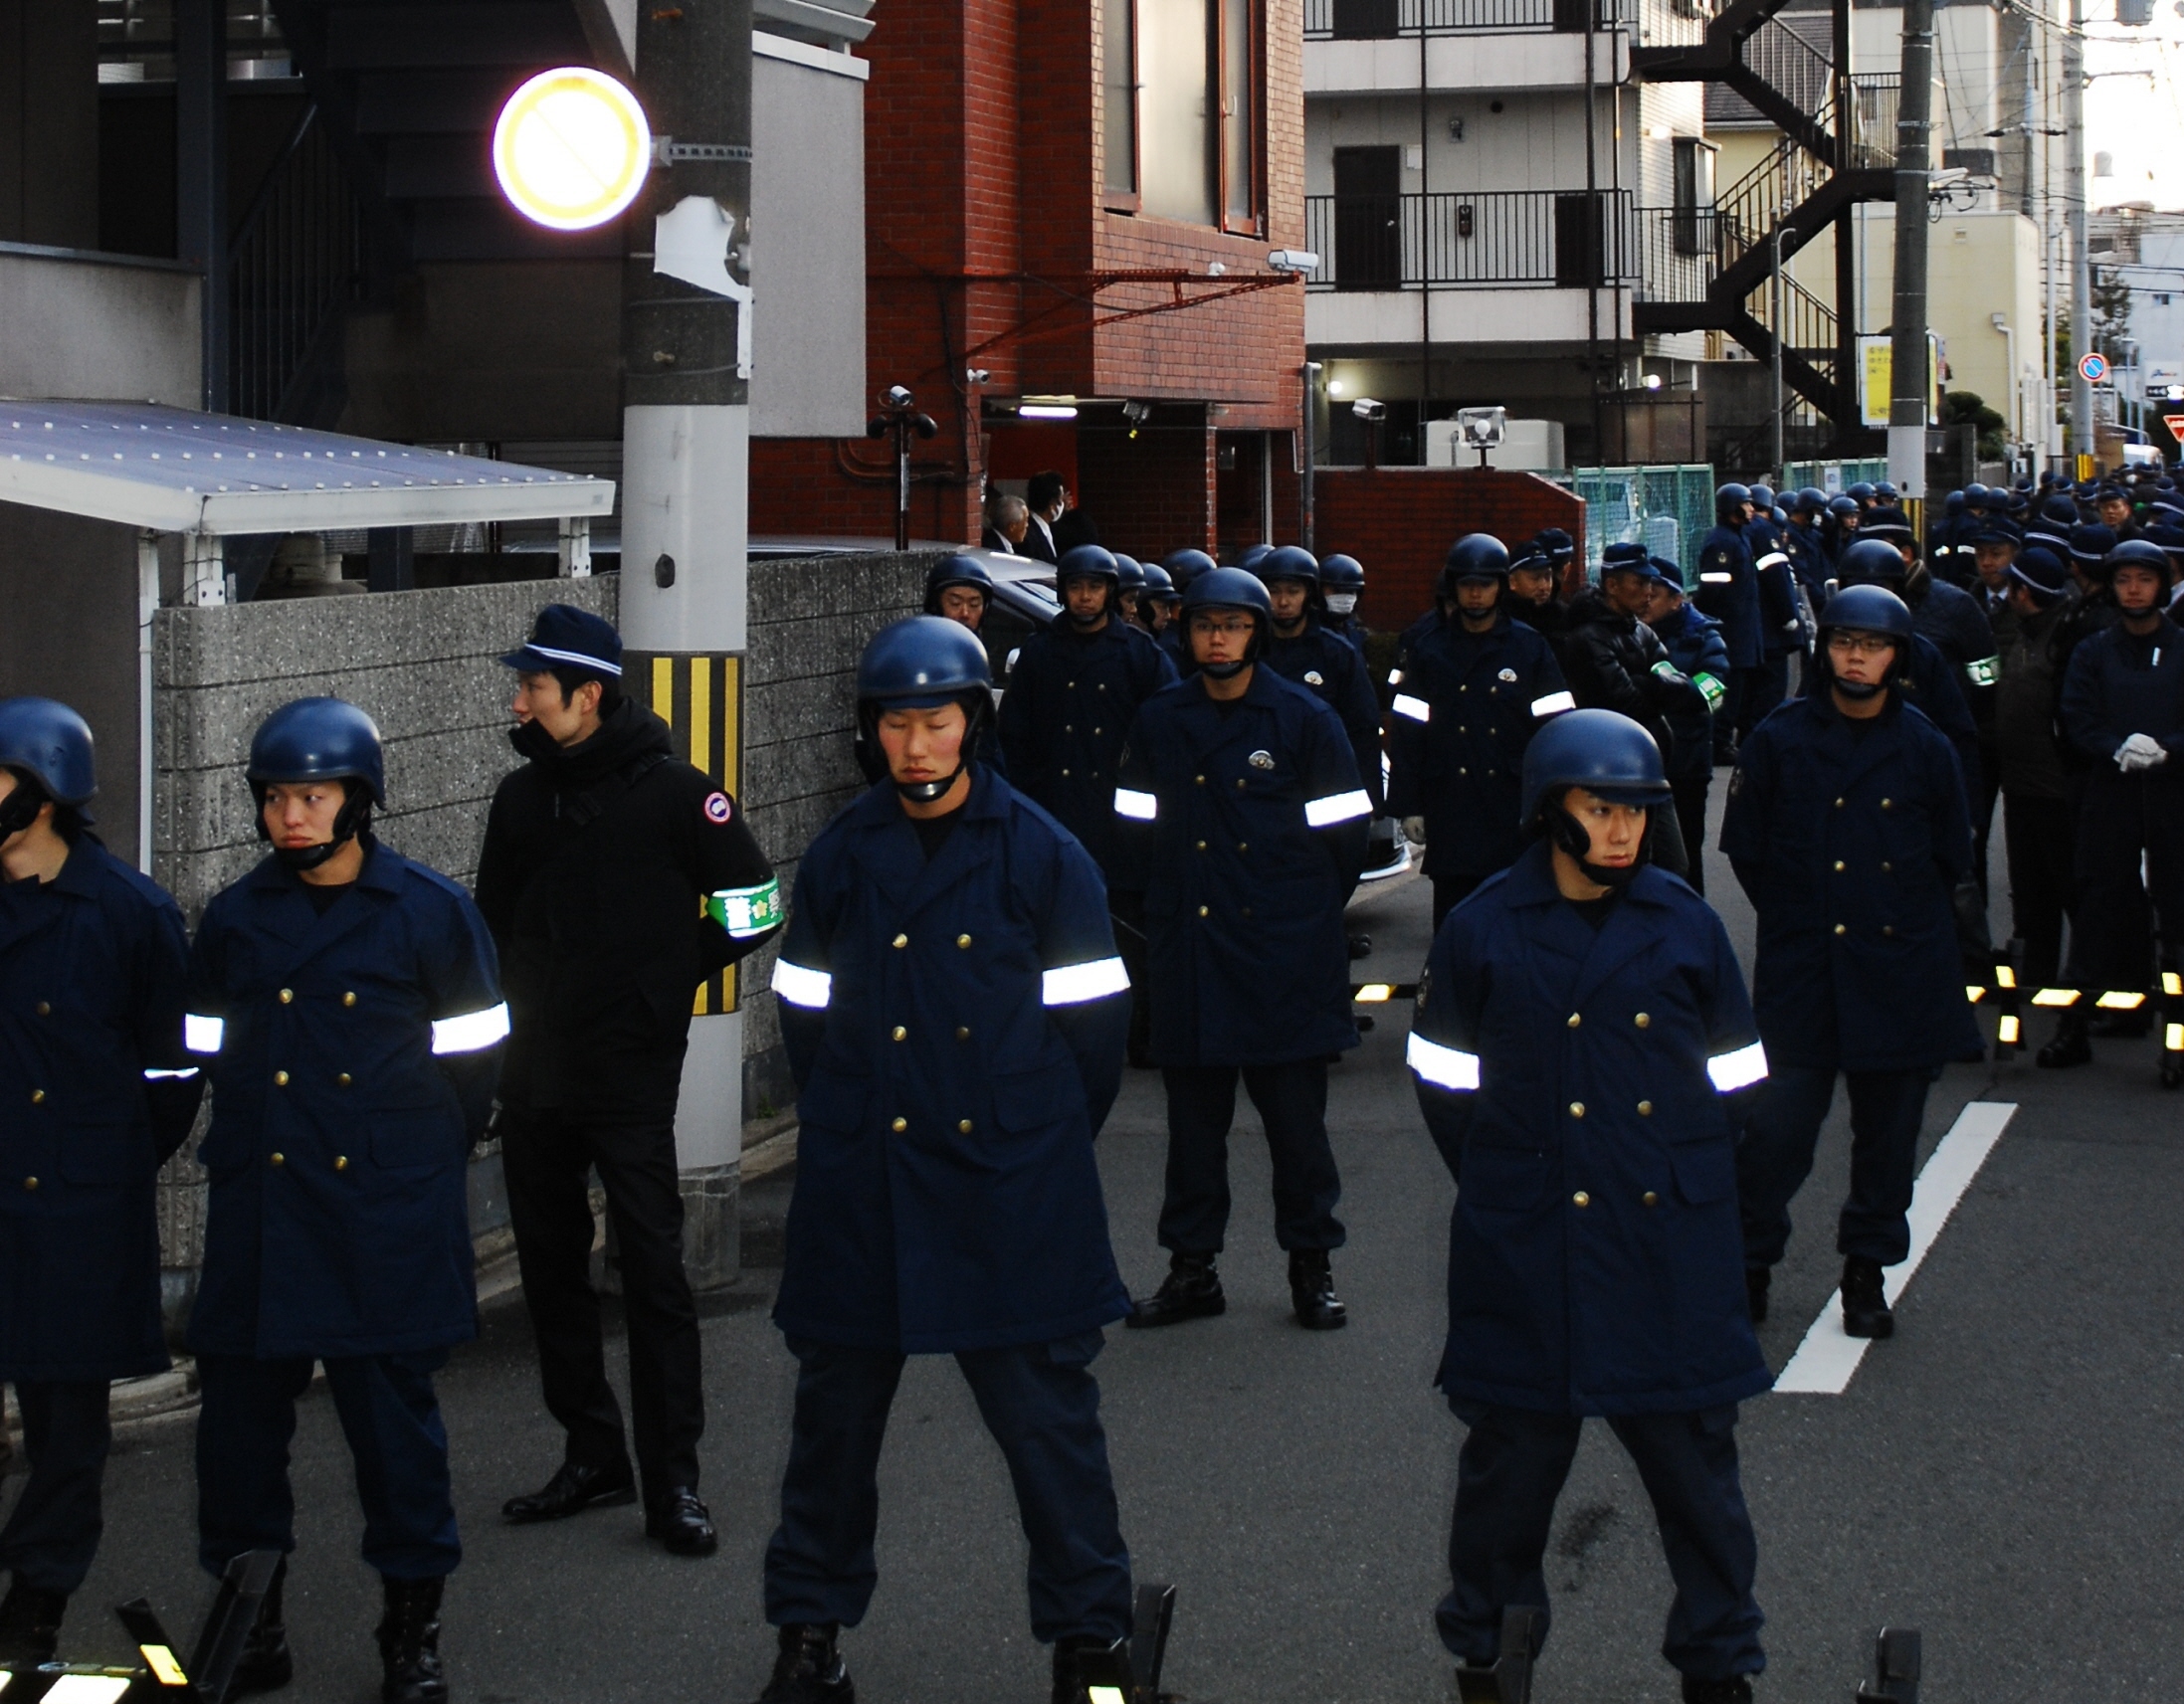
(173, 471)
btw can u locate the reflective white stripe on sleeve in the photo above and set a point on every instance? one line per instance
(1445, 1068)
(1770, 559)
(1395, 677)
(202, 1035)
(1073, 985)
(1138, 807)
(1337, 808)
(468, 1032)
(1717, 579)
(1553, 704)
(800, 986)
(153, 1074)
(1416, 708)
(1740, 1069)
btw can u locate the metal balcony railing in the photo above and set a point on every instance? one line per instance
(1472, 240)
(1380, 20)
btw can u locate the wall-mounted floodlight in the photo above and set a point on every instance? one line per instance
(571, 148)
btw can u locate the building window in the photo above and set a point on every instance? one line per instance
(1182, 110)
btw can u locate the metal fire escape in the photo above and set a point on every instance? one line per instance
(1712, 267)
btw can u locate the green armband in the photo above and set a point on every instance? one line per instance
(1983, 671)
(1713, 689)
(1663, 669)
(746, 912)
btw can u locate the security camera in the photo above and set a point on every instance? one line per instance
(976, 375)
(1952, 175)
(1293, 260)
(1369, 410)
(1138, 412)
(895, 396)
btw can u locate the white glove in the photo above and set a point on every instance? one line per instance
(2140, 752)
(1414, 829)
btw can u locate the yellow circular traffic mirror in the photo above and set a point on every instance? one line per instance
(571, 148)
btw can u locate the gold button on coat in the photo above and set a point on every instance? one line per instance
(1577, 1109)
(1839, 867)
(280, 1159)
(37, 1097)
(901, 941)
(343, 1079)
(43, 1010)
(1581, 1199)
(286, 996)
(1643, 1021)
(1838, 804)
(898, 1032)
(1645, 1109)
(965, 1126)
(961, 1033)
(1842, 928)
(1887, 804)
(900, 1125)
(340, 1162)
(962, 940)
(1202, 910)
(281, 1079)
(349, 999)
(30, 1183)
(1576, 1018)
(1650, 1198)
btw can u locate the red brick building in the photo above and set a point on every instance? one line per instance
(1080, 198)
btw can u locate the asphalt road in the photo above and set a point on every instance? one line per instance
(2005, 1474)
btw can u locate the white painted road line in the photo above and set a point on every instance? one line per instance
(1827, 1358)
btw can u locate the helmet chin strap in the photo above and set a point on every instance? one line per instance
(20, 808)
(354, 818)
(1569, 834)
(1225, 670)
(1106, 607)
(1857, 692)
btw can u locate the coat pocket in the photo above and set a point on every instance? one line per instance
(831, 1102)
(1704, 1172)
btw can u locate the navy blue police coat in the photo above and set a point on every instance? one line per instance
(956, 1031)
(97, 1093)
(1333, 670)
(1694, 645)
(1728, 591)
(1065, 714)
(1850, 838)
(1243, 825)
(352, 1058)
(1574, 1081)
(1465, 707)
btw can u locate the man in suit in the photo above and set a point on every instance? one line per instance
(1008, 520)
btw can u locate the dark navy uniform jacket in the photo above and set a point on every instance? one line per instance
(1573, 1080)
(352, 1060)
(1243, 828)
(1728, 591)
(1465, 705)
(1850, 838)
(2119, 684)
(1807, 549)
(956, 1031)
(1066, 715)
(96, 1093)
(1333, 670)
(1694, 645)
(1939, 698)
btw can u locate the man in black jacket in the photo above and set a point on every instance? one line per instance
(1614, 662)
(615, 880)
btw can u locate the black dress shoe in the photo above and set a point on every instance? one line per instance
(571, 1492)
(409, 1644)
(1361, 947)
(1756, 1281)
(1191, 1290)
(1864, 1302)
(1729, 1689)
(1082, 1661)
(30, 1622)
(265, 1665)
(1311, 1291)
(682, 1524)
(2070, 1047)
(809, 1669)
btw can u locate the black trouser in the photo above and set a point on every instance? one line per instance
(1986, 788)
(1775, 1157)
(2039, 836)
(548, 1160)
(1728, 717)
(1511, 1469)
(1130, 945)
(1690, 818)
(1293, 1104)
(53, 1532)
(2122, 815)
(1767, 687)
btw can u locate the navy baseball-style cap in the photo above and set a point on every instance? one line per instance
(2042, 570)
(564, 637)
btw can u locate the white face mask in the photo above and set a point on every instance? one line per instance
(1341, 603)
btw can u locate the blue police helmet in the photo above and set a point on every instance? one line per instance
(1869, 561)
(1228, 589)
(1860, 490)
(1843, 505)
(1764, 497)
(1290, 562)
(1474, 556)
(2141, 553)
(319, 739)
(1886, 492)
(1812, 501)
(1869, 609)
(1953, 503)
(1088, 562)
(1729, 500)
(50, 743)
(1132, 572)
(956, 571)
(1341, 574)
(1602, 751)
(922, 662)
(1185, 564)
(1160, 583)
(1253, 555)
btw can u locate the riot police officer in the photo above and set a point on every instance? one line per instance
(98, 1092)
(1728, 591)
(1131, 586)
(1300, 649)
(1581, 1020)
(1782, 628)
(1470, 687)
(1847, 831)
(347, 1006)
(960, 589)
(1844, 514)
(1246, 828)
(1156, 603)
(2123, 710)
(1341, 584)
(1185, 565)
(950, 997)
(1694, 645)
(1614, 660)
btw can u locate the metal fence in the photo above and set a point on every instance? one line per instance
(1382, 20)
(1470, 239)
(1834, 477)
(1666, 508)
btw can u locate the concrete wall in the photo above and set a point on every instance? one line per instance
(97, 325)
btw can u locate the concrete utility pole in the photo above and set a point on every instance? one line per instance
(2074, 208)
(1907, 383)
(686, 442)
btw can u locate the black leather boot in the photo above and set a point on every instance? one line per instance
(809, 1669)
(409, 1644)
(1311, 1291)
(1082, 1661)
(265, 1665)
(1758, 1280)
(1864, 1302)
(30, 1622)
(2070, 1047)
(1730, 1689)
(1191, 1290)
